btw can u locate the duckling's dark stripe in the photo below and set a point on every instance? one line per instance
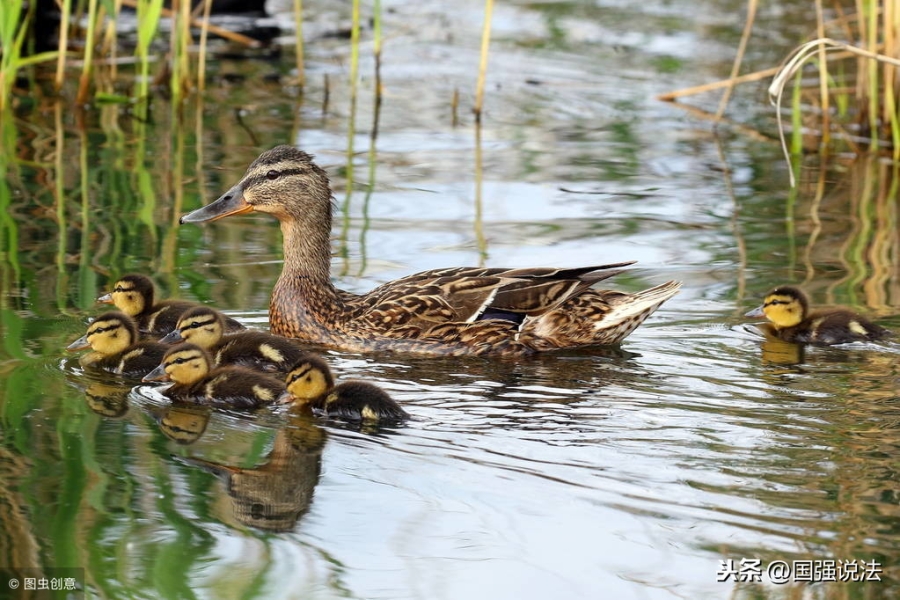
(200, 323)
(256, 179)
(298, 373)
(777, 302)
(97, 330)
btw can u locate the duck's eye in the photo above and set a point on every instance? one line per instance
(272, 175)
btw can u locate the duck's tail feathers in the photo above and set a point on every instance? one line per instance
(595, 317)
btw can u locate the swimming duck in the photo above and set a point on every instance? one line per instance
(205, 327)
(787, 309)
(114, 339)
(452, 311)
(134, 295)
(190, 367)
(310, 383)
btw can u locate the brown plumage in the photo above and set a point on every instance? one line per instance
(259, 350)
(135, 295)
(451, 311)
(311, 384)
(190, 367)
(116, 345)
(790, 319)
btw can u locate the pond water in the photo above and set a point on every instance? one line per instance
(629, 472)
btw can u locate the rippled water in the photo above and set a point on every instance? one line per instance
(628, 472)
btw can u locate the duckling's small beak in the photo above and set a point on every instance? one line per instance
(79, 344)
(105, 299)
(285, 398)
(756, 312)
(230, 203)
(157, 374)
(172, 337)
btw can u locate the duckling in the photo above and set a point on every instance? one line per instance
(114, 339)
(205, 327)
(134, 295)
(787, 309)
(310, 383)
(453, 312)
(190, 367)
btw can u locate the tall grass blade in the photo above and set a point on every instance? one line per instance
(482, 65)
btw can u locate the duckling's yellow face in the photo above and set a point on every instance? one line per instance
(127, 297)
(203, 328)
(106, 335)
(783, 309)
(183, 365)
(308, 381)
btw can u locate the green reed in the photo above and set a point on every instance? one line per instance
(13, 31)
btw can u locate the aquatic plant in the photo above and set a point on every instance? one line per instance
(852, 100)
(13, 31)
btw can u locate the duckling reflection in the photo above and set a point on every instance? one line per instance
(273, 496)
(111, 401)
(779, 352)
(183, 423)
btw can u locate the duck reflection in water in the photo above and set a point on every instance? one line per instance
(183, 423)
(274, 495)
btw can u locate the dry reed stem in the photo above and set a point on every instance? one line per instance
(201, 59)
(298, 25)
(715, 85)
(219, 31)
(742, 49)
(482, 66)
(793, 64)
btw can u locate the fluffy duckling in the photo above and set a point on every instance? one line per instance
(114, 339)
(310, 383)
(259, 350)
(787, 309)
(134, 295)
(189, 366)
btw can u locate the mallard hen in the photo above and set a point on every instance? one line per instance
(451, 311)
(790, 319)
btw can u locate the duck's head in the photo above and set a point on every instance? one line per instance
(184, 364)
(132, 294)
(785, 306)
(283, 181)
(309, 379)
(110, 333)
(202, 326)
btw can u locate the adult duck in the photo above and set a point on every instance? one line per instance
(453, 311)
